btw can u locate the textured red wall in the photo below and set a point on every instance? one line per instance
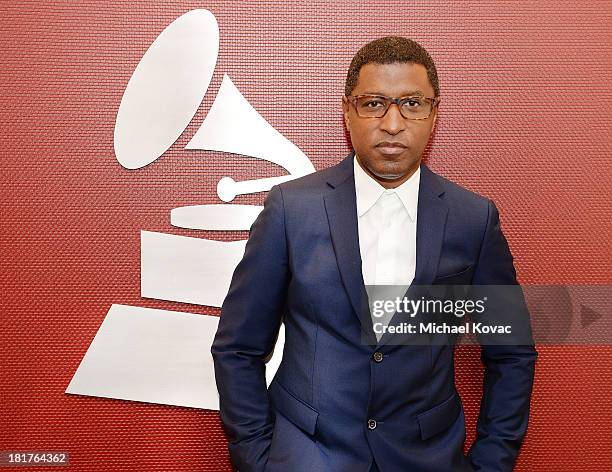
(525, 119)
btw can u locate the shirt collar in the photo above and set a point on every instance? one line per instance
(368, 191)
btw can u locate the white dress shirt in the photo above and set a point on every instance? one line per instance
(387, 230)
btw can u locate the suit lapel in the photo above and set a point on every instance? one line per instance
(432, 211)
(341, 208)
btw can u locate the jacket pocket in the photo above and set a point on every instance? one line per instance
(464, 276)
(439, 418)
(295, 410)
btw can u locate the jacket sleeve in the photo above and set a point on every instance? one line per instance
(249, 324)
(509, 369)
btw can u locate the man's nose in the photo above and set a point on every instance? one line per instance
(393, 122)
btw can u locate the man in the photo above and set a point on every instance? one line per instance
(337, 403)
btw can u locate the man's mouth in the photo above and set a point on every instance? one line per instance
(391, 147)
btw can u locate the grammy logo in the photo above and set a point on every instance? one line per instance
(160, 100)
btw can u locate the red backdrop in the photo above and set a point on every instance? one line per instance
(525, 120)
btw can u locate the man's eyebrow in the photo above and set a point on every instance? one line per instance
(410, 93)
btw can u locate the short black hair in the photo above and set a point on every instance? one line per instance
(388, 50)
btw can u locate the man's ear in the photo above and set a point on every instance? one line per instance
(345, 112)
(435, 117)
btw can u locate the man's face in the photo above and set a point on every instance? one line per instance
(390, 148)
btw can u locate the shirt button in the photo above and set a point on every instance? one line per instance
(378, 356)
(371, 424)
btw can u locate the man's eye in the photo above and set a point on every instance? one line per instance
(413, 102)
(373, 104)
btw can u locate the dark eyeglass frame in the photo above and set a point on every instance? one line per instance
(435, 101)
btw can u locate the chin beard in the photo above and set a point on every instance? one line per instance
(388, 176)
(388, 171)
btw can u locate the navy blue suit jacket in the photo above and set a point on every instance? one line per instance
(302, 266)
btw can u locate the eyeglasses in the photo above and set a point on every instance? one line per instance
(376, 106)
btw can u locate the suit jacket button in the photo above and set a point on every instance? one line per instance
(371, 424)
(378, 356)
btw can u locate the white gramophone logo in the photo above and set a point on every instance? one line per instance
(162, 356)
